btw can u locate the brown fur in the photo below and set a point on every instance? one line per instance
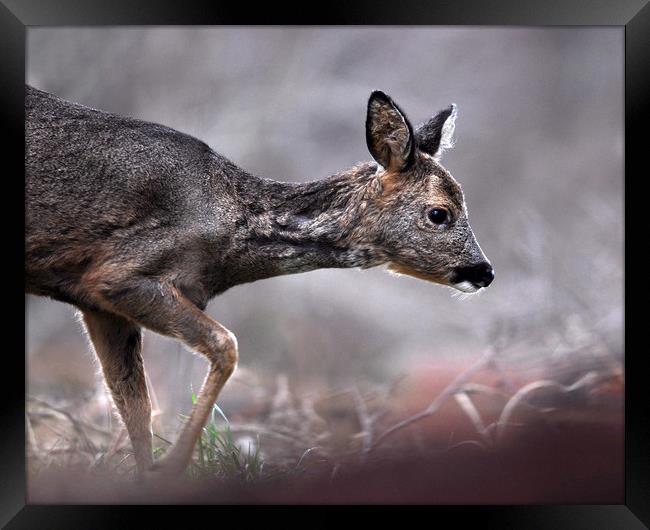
(435, 277)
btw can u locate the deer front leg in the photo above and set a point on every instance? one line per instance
(162, 308)
(118, 346)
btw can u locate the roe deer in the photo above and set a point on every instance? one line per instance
(139, 225)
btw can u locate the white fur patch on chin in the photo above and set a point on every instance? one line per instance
(466, 287)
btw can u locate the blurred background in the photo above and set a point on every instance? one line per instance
(539, 154)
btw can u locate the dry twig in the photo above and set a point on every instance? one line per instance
(451, 389)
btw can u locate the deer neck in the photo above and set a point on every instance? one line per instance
(298, 227)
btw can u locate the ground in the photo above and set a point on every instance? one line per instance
(485, 430)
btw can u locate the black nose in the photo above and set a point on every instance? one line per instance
(480, 275)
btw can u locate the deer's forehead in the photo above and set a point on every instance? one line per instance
(443, 186)
(428, 181)
(448, 190)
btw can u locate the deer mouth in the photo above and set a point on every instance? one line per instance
(466, 287)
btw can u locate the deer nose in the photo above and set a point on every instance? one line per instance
(480, 275)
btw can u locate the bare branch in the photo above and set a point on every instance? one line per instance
(468, 407)
(522, 394)
(364, 420)
(451, 389)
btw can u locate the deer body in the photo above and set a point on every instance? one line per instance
(139, 225)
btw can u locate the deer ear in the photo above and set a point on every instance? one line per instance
(437, 134)
(389, 134)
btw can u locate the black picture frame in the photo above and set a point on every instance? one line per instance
(17, 15)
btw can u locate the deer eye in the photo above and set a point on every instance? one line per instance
(438, 215)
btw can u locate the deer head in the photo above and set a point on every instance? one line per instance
(419, 219)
